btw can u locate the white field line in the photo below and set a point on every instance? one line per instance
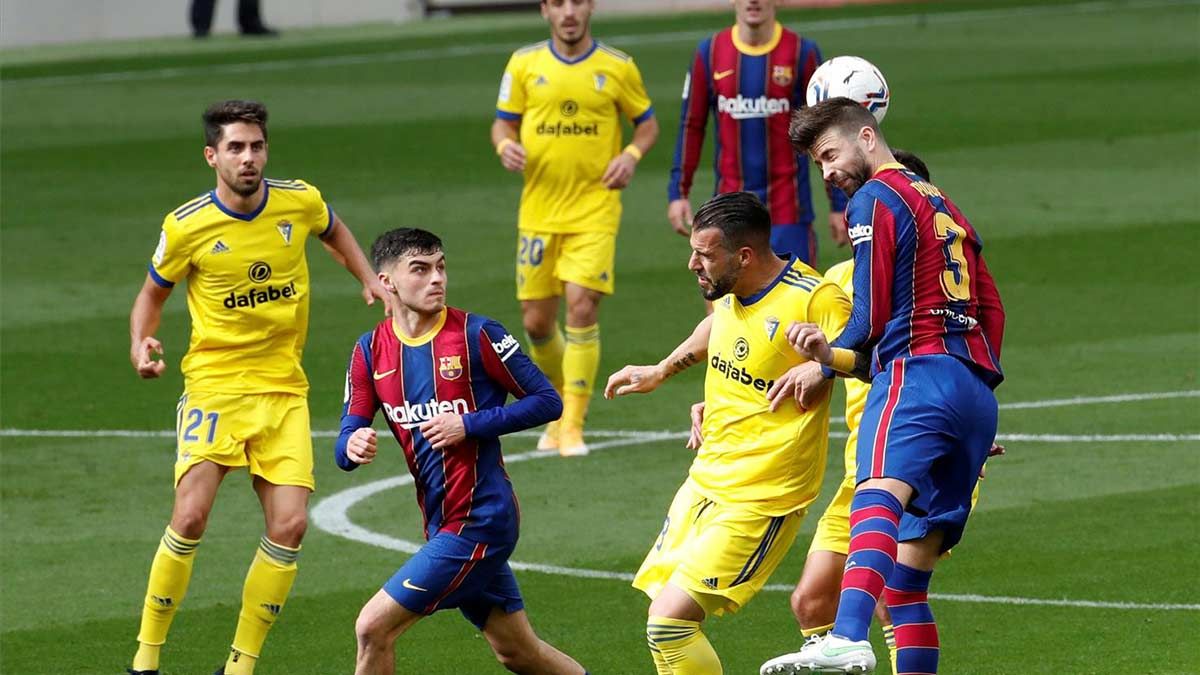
(332, 515)
(1087, 400)
(1093, 7)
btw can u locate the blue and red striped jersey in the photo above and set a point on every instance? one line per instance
(468, 365)
(920, 283)
(751, 92)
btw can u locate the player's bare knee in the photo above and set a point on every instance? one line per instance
(583, 310)
(189, 520)
(288, 530)
(811, 607)
(514, 656)
(370, 631)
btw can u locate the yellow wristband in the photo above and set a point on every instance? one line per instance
(843, 360)
(633, 150)
(504, 143)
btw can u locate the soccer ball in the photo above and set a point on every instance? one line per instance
(853, 77)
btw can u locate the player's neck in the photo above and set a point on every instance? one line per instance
(238, 203)
(762, 275)
(575, 50)
(413, 325)
(880, 158)
(756, 36)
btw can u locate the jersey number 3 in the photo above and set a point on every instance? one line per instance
(956, 279)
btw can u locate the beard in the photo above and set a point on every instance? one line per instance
(246, 188)
(857, 175)
(719, 287)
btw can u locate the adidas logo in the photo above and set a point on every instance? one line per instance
(710, 582)
(162, 602)
(272, 608)
(220, 247)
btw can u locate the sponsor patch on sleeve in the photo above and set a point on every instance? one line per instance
(161, 250)
(860, 233)
(505, 87)
(506, 347)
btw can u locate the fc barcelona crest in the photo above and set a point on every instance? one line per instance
(781, 75)
(450, 367)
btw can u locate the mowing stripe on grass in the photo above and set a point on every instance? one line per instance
(628, 434)
(1092, 7)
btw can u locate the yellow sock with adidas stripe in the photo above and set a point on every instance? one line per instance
(581, 360)
(547, 354)
(169, 576)
(267, 586)
(682, 646)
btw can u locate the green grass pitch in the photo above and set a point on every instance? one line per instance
(1066, 131)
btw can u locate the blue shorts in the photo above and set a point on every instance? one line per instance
(797, 240)
(929, 421)
(451, 571)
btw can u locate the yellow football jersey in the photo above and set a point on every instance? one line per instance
(770, 462)
(247, 289)
(570, 112)
(842, 274)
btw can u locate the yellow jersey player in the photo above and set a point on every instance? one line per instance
(759, 463)
(558, 121)
(241, 248)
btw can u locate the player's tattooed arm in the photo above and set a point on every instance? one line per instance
(645, 379)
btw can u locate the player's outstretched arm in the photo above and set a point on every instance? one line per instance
(143, 324)
(506, 138)
(645, 379)
(341, 244)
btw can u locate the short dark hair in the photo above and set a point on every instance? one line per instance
(740, 216)
(809, 123)
(403, 241)
(911, 162)
(227, 112)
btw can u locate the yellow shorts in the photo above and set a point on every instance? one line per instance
(833, 529)
(721, 555)
(269, 433)
(547, 260)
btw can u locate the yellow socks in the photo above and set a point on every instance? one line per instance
(547, 354)
(267, 585)
(169, 576)
(681, 647)
(889, 636)
(581, 360)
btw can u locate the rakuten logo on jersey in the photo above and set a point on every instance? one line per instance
(410, 416)
(742, 108)
(860, 233)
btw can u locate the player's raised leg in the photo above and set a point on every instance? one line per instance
(677, 644)
(272, 572)
(379, 623)
(171, 569)
(520, 650)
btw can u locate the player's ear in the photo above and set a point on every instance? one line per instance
(387, 282)
(210, 155)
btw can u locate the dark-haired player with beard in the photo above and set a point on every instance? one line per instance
(926, 330)
(441, 376)
(241, 248)
(759, 463)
